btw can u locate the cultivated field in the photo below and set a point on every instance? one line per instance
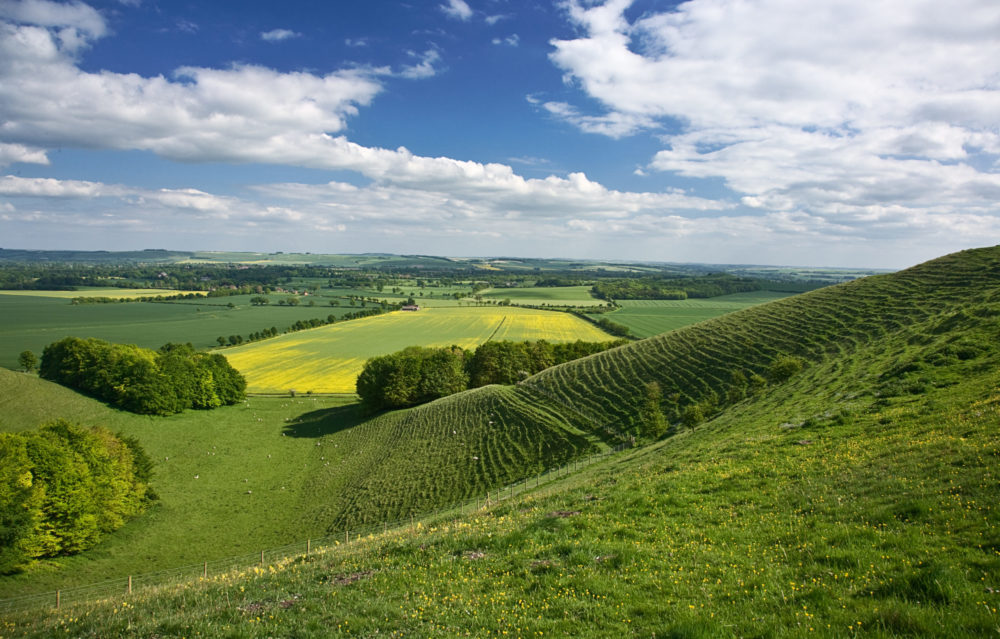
(328, 359)
(114, 293)
(651, 317)
(551, 295)
(31, 322)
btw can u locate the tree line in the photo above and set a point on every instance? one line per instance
(675, 288)
(418, 374)
(64, 486)
(300, 325)
(141, 380)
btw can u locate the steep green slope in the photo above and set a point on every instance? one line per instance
(600, 394)
(698, 362)
(457, 448)
(859, 498)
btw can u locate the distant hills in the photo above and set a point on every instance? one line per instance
(840, 479)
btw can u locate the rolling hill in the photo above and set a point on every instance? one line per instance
(856, 495)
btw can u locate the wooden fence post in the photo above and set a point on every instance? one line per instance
(58, 593)
(130, 584)
(204, 572)
(262, 558)
(308, 545)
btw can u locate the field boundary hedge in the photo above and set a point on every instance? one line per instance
(148, 583)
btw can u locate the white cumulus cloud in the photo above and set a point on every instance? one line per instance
(277, 35)
(457, 9)
(847, 109)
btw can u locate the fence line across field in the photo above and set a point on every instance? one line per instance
(124, 586)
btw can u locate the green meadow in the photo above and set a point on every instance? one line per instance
(646, 318)
(850, 491)
(856, 498)
(31, 322)
(549, 295)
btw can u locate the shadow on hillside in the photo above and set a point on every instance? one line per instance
(327, 421)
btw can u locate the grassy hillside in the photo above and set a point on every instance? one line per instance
(456, 448)
(698, 362)
(858, 498)
(239, 479)
(651, 317)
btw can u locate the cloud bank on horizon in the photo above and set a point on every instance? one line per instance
(838, 132)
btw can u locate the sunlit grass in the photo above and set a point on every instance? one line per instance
(883, 524)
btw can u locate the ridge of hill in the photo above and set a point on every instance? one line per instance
(698, 362)
(857, 498)
(599, 396)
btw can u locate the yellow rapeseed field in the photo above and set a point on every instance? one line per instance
(329, 359)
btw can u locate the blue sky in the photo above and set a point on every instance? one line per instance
(844, 133)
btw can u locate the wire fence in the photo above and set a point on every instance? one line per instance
(125, 586)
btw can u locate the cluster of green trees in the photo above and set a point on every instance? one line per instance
(674, 288)
(141, 380)
(64, 486)
(418, 374)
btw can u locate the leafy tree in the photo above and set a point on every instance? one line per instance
(737, 389)
(63, 487)
(259, 300)
(755, 383)
(653, 423)
(27, 360)
(20, 499)
(141, 380)
(442, 373)
(692, 415)
(784, 367)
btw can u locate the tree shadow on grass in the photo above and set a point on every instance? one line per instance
(327, 421)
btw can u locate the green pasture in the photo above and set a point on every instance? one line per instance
(273, 471)
(102, 291)
(651, 317)
(551, 295)
(205, 464)
(33, 322)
